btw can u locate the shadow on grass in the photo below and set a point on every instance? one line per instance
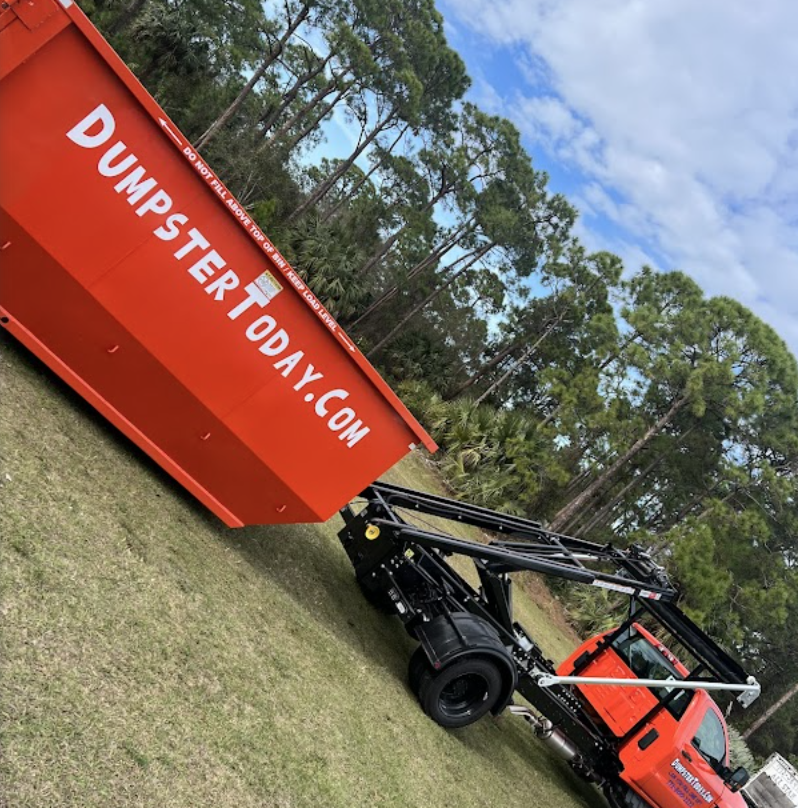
(62, 398)
(311, 567)
(491, 738)
(305, 562)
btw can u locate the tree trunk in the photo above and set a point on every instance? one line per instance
(364, 179)
(621, 348)
(515, 365)
(580, 478)
(566, 513)
(770, 711)
(576, 483)
(321, 190)
(428, 299)
(435, 255)
(633, 337)
(321, 94)
(211, 132)
(482, 372)
(550, 416)
(607, 509)
(523, 358)
(290, 145)
(707, 511)
(392, 239)
(267, 121)
(683, 513)
(626, 524)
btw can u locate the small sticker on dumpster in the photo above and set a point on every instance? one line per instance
(268, 284)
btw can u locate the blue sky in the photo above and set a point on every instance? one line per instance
(671, 125)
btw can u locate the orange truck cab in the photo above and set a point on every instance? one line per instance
(673, 744)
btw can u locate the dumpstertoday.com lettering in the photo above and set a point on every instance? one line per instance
(209, 269)
(692, 781)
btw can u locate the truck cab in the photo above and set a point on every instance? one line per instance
(673, 744)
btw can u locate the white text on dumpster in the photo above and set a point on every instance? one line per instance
(208, 268)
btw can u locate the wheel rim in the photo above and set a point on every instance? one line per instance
(463, 694)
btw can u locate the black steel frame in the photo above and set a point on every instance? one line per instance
(387, 551)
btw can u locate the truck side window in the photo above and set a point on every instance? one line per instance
(710, 739)
(648, 663)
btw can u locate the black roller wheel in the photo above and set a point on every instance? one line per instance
(419, 663)
(461, 693)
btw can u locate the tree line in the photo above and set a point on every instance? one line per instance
(615, 403)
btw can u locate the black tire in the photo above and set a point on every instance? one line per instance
(461, 693)
(419, 663)
(619, 795)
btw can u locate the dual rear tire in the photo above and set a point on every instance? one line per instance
(459, 694)
(464, 690)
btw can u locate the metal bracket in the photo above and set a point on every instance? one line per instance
(33, 13)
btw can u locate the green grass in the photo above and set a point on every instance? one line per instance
(152, 657)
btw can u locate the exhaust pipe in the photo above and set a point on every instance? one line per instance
(559, 743)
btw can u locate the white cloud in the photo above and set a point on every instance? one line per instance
(486, 96)
(682, 118)
(550, 115)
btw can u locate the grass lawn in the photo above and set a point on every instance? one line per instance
(149, 656)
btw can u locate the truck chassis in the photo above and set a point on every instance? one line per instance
(473, 656)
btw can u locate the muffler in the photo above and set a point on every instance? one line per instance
(559, 743)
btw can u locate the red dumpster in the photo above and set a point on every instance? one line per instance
(131, 270)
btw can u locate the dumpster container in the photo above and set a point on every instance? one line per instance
(131, 270)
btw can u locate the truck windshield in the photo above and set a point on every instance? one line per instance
(710, 740)
(647, 662)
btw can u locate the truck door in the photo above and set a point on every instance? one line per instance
(690, 777)
(620, 707)
(634, 654)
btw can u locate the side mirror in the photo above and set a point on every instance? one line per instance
(737, 779)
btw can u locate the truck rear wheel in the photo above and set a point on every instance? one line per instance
(418, 665)
(461, 693)
(619, 795)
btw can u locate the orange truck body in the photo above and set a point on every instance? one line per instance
(661, 762)
(129, 268)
